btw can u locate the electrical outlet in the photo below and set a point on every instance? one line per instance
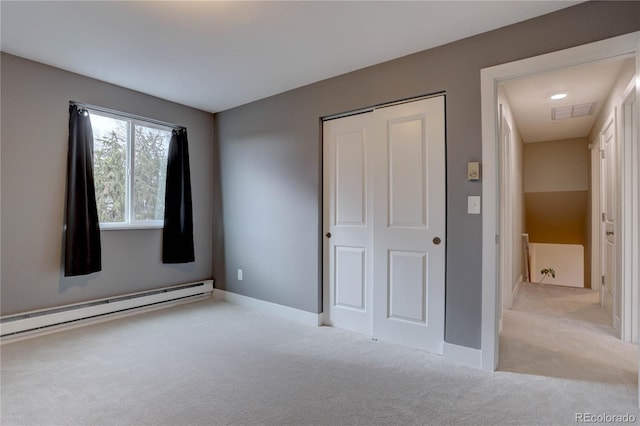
(239, 274)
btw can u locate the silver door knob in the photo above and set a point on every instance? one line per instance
(437, 240)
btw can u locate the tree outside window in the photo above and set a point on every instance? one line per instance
(130, 165)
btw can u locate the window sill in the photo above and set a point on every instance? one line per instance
(131, 226)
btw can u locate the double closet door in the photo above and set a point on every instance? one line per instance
(384, 223)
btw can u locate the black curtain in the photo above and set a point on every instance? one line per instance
(177, 237)
(82, 252)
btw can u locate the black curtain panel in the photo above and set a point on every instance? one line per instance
(177, 238)
(82, 252)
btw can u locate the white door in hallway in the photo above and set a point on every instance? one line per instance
(609, 185)
(384, 223)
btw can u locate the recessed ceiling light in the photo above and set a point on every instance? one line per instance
(558, 96)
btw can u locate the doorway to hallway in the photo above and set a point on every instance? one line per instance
(550, 119)
(547, 181)
(628, 234)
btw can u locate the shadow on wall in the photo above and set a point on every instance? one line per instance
(67, 283)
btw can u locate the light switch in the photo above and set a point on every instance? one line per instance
(473, 204)
(239, 274)
(473, 171)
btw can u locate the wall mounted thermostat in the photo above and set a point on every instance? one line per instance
(473, 171)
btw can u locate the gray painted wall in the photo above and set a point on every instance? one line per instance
(35, 117)
(270, 160)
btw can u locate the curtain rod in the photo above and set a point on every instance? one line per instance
(126, 115)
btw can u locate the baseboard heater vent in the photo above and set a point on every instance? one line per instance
(13, 327)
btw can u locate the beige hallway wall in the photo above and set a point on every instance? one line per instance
(556, 185)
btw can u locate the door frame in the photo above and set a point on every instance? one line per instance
(506, 221)
(629, 202)
(625, 45)
(594, 208)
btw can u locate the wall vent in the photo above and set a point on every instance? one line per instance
(573, 111)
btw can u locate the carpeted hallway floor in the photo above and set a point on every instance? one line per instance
(563, 332)
(212, 363)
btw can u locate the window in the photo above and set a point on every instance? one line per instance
(129, 167)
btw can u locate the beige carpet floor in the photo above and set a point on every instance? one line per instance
(212, 363)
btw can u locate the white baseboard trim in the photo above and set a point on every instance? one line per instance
(516, 289)
(462, 355)
(292, 314)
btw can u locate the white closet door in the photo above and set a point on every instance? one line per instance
(384, 223)
(348, 204)
(409, 229)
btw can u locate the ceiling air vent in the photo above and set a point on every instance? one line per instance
(573, 111)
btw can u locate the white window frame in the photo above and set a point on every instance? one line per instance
(133, 121)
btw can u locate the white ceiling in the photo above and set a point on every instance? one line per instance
(531, 105)
(216, 55)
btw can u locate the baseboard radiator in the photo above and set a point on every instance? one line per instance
(27, 324)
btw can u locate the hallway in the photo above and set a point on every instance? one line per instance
(563, 332)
